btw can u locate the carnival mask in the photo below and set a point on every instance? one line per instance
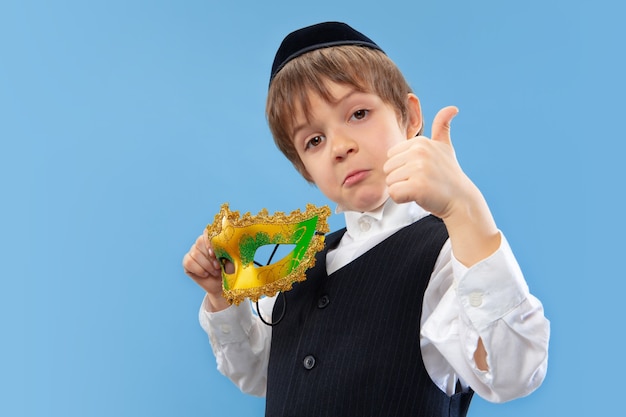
(236, 240)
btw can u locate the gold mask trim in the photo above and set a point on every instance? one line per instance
(236, 240)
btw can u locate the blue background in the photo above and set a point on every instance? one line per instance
(124, 126)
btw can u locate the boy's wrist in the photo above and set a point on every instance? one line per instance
(472, 230)
(217, 302)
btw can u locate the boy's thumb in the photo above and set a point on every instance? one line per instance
(441, 124)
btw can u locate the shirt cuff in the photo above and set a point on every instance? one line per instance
(492, 287)
(231, 325)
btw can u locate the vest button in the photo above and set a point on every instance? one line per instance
(323, 301)
(309, 362)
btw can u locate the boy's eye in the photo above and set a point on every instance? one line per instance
(314, 141)
(360, 114)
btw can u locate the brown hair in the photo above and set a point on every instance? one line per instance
(367, 70)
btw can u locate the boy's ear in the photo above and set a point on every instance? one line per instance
(414, 116)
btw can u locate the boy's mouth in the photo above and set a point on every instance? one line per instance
(355, 177)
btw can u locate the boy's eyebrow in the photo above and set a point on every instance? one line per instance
(297, 129)
(346, 96)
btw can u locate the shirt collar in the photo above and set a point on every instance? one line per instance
(389, 216)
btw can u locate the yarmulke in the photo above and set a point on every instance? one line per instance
(321, 35)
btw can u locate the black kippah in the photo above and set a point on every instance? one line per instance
(321, 35)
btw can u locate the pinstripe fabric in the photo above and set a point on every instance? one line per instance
(364, 342)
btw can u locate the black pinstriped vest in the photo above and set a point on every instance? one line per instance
(349, 345)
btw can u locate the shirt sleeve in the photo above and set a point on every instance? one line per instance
(240, 343)
(490, 301)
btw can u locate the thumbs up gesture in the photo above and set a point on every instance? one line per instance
(426, 170)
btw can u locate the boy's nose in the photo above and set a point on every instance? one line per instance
(342, 146)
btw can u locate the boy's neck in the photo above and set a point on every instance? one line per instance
(377, 212)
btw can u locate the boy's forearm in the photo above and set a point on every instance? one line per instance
(472, 229)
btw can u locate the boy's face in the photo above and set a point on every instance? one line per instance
(343, 144)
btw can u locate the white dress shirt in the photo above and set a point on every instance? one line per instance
(489, 300)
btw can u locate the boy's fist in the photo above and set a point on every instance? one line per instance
(426, 170)
(203, 267)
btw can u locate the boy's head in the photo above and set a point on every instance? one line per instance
(311, 57)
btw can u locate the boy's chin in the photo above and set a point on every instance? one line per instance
(367, 205)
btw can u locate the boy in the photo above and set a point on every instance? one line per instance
(419, 302)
